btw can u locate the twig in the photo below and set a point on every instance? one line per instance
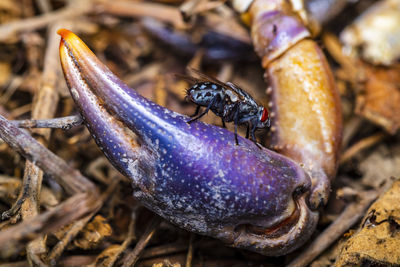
(14, 238)
(71, 179)
(28, 205)
(163, 250)
(96, 170)
(35, 260)
(187, 8)
(20, 110)
(15, 82)
(44, 106)
(75, 228)
(143, 9)
(189, 256)
(44, 5)
(112, 257)
(132, 257)
(64, 123)
(21, 198)
(31, 188)
(33, 23)
(78, 226)
(192, 7)
(350, 128)
(361, 145)
(347, 218)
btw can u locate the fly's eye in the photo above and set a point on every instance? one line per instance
(264, 115)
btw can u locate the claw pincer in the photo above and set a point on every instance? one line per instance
(305, 103)
(190, 174)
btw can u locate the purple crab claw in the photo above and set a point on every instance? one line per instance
(193, 175)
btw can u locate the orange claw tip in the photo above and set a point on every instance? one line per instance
(73, 43)
(67, 34)
(63, 32)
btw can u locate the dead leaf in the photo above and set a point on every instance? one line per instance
(388, 160)
(379, 99)
(9, 188)
(93, 233)
(166, 263)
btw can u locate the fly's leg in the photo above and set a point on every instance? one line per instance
(236, 121)
(236, 138)
(222, 107)
(249, 120)
(253, 130)
(205, 111)
(253, 137)
(196, 112)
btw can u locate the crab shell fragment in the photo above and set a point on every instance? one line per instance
(192, 175)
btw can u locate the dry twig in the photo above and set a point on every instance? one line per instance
(132, 257)
(71, 179)
(189, 256)
(77, 226)
(64, 123)
(14, 238)
(74, 9)
(361, 145)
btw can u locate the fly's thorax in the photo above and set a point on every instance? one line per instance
(230, 97)
(246, 109)
(229, 112)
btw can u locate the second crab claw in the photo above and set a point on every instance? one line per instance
(192, 175)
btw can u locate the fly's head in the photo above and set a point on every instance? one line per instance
(263, 120)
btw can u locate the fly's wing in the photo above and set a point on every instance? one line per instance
(190, 79)
(199, 77)
(241, 93)
(205, 78)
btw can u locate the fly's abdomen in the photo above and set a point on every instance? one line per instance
(203, 93)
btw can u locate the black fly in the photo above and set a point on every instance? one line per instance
(227, 101)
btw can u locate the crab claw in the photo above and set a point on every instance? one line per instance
(193, 175)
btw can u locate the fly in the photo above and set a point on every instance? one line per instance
(227, 101)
